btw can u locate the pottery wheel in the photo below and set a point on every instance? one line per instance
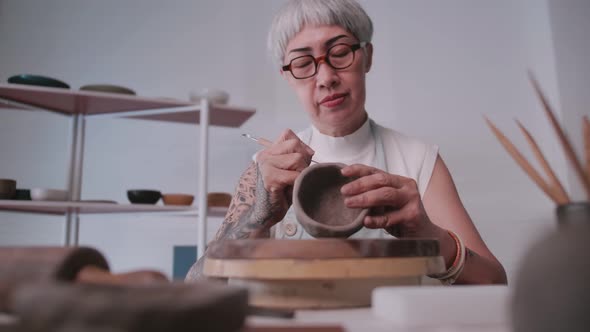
(321, 273)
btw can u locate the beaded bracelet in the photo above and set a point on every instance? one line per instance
(451, 275)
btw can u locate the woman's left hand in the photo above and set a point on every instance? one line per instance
(394, 201)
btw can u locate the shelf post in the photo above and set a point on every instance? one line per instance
(75, 178)
(202, 185)
(71, 179)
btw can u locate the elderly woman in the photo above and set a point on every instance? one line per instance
(324, 50)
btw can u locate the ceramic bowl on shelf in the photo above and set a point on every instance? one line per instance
(7, 188)
(178, 199)
(109, 88)
(143, 196)
(319, 205)
(215, 96)
(218, 199)
(98, 201)
(45, 194)
(38, 80)
(23, 195)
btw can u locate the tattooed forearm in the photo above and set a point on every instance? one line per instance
(237, 214)
(469, 254)
(250, 212)
(263, 210)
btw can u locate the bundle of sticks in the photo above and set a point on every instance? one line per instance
(552, 187)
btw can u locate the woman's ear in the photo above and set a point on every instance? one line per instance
(369, 57)
(284, 74)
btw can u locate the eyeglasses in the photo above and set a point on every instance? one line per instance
(339, 56)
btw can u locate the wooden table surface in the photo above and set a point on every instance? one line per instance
(352, 320)
(359, 320)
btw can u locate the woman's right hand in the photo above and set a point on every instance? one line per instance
(277, 168)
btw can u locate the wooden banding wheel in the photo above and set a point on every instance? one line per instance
(322, 273)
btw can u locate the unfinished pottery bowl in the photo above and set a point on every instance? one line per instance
(319, 205)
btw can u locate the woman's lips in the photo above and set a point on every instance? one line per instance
(333, 101)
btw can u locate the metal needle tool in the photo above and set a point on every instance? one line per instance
(264, 142)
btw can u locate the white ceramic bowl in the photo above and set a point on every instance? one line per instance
(215, 96)
(43, 194)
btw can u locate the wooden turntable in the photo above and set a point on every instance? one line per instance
(321, 273)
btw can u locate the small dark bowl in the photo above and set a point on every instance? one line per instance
(143, 196)
(38, 81)
(319, 205)
(7, 188)
(23, 195)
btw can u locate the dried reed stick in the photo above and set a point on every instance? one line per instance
(567, 147)
(523, 163)
(587, 143)
(562, 196)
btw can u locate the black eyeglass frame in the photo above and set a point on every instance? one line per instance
(325, 58)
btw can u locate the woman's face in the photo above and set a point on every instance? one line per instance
(334, 98)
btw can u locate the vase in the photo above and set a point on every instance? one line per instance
(552, 288)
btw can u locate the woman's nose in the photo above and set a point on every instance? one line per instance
(326, 76)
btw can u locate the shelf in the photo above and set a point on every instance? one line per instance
(61, 208)
(70, 102)
(8, 104)
(81, 106)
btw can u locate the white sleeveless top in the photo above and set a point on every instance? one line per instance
(371, 145)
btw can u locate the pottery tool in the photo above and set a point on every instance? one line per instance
(565, 143)
(553, 187)
(321, 273)
(555, 184)
(264, 142)
(524, 163)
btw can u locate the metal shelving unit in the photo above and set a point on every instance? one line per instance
(82, 106)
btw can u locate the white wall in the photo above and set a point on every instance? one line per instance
(438, 67)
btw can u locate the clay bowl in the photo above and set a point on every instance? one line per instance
(108, 88)
(143, 196)
(23, 195)
(218, 199)
(38, 81)
(44, 194)
(215, 96)
(178, 199)
(7, 188)
(319, 205)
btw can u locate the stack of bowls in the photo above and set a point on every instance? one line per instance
(7, 188)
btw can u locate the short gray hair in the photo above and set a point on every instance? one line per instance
(296, 14)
